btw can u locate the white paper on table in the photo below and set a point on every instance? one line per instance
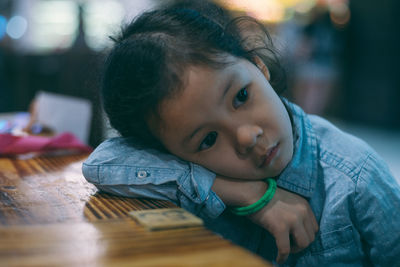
(65, 114)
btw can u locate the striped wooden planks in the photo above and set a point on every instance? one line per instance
(117, 243)
(52, 189)
(50, 216)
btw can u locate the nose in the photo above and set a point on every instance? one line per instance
(247, 137)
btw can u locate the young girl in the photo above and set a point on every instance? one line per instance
(194, 95)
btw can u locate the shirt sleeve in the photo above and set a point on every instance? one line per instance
(119, 167)
(377, 206)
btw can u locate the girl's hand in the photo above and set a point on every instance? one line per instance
(286, 216)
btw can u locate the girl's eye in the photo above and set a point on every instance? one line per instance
(240, 98)
(208, 141)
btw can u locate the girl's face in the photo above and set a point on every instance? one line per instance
(230, 121)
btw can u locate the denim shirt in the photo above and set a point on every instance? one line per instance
(355, 199)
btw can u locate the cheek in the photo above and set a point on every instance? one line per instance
(216, 160)
(171, 143)
(287, 154)
(228, 164)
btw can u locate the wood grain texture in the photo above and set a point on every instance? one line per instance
(50, 216)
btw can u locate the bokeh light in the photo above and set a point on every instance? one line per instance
(279, 11)
(101, 19)
(3, 26)
(16, 27)
(306, 6)
(54, 25)
(339, 14)
(269, 11)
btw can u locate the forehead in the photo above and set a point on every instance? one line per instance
(200, 91)
(192, 105)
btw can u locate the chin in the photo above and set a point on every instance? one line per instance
(280, 165)
(274, 173)
(249, 175)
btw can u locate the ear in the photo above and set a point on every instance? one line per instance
(260, 64)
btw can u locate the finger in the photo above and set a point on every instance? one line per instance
(293, 246)
(309, 228)
(301, 236)
(283, 244)
(295, 249)
(314, 222)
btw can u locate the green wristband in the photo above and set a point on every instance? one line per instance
(261, 203)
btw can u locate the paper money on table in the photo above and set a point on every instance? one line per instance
(166, 218)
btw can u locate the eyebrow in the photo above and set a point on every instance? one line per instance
(228, 85)
(231, 79)
(189, 138)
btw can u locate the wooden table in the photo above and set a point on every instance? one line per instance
(50, 216)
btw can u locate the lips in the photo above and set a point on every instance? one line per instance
(269, 155)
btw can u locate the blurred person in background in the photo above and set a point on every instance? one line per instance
(316, 64)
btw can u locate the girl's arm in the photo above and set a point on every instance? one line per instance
(119, 167)
(377, 216)
(287, 215)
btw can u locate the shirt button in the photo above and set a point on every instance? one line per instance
(142, 174)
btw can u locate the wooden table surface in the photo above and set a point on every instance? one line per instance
(50, 216)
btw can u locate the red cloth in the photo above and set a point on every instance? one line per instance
(14, 145)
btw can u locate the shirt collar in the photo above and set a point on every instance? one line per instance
(300, 175)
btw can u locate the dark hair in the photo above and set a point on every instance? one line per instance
(149, 58)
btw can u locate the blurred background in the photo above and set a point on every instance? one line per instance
(341, 56)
